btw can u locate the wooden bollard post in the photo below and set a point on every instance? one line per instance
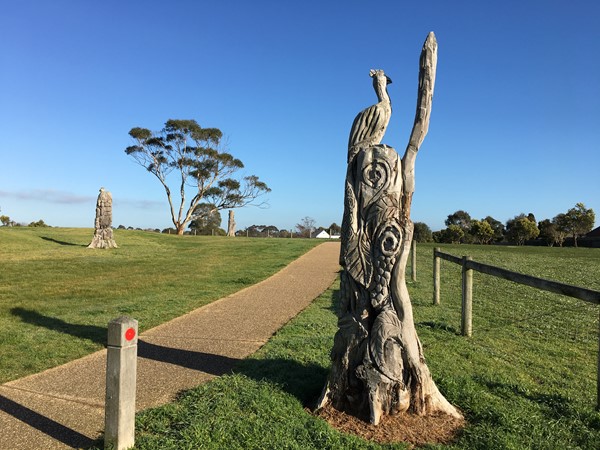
(467, 298)
(413, 261)
(121, 368)
(436, 276)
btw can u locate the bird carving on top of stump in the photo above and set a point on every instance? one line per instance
(370, 124)
(378, 366)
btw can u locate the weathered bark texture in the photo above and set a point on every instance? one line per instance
(378, 365)
(231, 224)
(103, 233)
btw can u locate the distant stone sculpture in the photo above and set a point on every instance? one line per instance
(231, 224)
(378, 365)
(103, 233)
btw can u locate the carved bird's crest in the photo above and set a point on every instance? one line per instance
(373, 73)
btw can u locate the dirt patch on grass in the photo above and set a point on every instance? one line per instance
(408, 428)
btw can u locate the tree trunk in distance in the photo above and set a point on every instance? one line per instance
(378, 366)
(231, 224)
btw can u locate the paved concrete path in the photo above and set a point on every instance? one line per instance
(63, 407)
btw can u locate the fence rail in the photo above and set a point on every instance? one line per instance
(540, 283)
(468, 265)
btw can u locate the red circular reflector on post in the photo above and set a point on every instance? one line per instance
(130, 334)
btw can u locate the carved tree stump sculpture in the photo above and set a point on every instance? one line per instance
(103, 233)
(378, 365)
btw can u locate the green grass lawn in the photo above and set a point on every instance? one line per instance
(525, 380)
(57, 296)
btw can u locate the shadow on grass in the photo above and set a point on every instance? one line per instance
(91, 332)
(56, 241)
(204, 362)
(442, 326)
(556, 405)
(335, 302)
(303, 381)
(61, 433)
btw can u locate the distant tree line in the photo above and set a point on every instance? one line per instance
(6, 221)
(207, 222)
(521, 229)
(306, 228)
(461, 228)
(263, 231)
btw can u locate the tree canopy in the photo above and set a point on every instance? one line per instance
(39, 223)
(201, 169)
(521, 229)
(481, 231)
(422, 232)
(460, 218)
(498, 228)
(548, 232)
(453, 234)
(579, 221)
(306, 226)
(334, 229)
(205, 219)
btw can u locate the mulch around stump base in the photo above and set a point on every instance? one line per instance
(407, 428)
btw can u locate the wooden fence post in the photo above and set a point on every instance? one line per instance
(413, 261)
(436, 276)
(585, 294)
(467, 298)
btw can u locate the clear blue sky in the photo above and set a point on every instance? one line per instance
(515, 125)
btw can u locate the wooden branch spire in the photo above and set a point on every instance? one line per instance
(427, 68)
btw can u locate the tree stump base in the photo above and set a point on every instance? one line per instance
(401, 428)
(103, 239)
